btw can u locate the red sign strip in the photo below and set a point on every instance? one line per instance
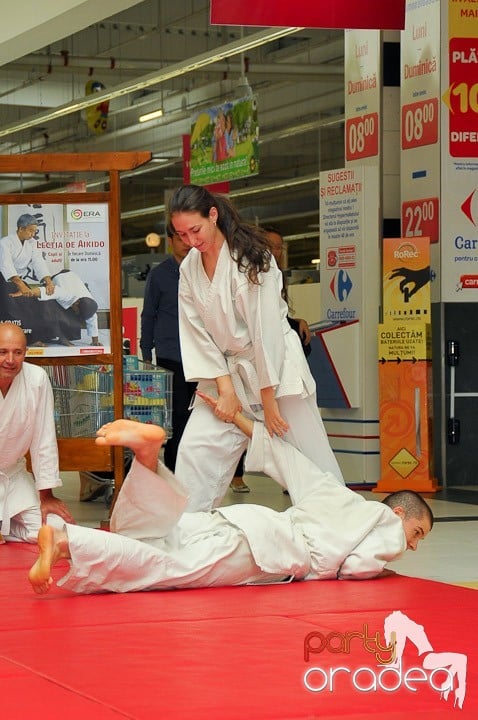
(366, 15)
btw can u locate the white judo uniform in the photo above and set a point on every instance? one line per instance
(68, 289)
(26, 424)
(330, 532)
(22, 259)
(229, 326)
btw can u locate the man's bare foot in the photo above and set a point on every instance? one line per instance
(52, 545)
(144, 439)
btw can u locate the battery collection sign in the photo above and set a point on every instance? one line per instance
(406, 279)
(404, 354)
(410, 341)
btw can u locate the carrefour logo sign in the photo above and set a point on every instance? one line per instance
(341, 285)
(86, 213)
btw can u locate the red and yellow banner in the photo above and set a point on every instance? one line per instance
(96, 115)
(461, 97)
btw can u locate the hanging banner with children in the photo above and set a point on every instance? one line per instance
(54, 276)
(225, 142)
(96, 115)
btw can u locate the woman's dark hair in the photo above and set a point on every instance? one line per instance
(247, 244)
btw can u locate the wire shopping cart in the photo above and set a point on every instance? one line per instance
(83, 396)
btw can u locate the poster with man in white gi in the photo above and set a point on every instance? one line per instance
(54, 276)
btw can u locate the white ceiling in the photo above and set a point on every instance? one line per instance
(163, 53)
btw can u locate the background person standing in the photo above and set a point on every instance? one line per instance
(160, 331)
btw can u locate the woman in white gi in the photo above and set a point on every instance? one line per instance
(237, 344)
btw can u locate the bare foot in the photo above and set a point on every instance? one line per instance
(239, 486)
(144, 439)
(52, 545)
(64, 341)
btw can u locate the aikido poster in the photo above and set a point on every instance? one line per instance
(69, 315)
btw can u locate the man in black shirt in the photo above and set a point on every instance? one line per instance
(160, 330)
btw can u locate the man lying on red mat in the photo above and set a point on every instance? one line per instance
(329, 532)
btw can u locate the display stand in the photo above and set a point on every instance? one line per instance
(81, 453)
(405, 369)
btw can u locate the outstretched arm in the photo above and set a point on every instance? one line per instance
(279, 460)
(240, 421)
(51, 504)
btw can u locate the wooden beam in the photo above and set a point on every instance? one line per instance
(76, 162)
(81, 454)
(84, 454)
(55, 198)
(116, 321)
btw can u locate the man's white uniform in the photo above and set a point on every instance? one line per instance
(26, 424)
(17, 258)
(330, 532)
(229, 326)
(68, 289)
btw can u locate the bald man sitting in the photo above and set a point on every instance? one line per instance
(26, 425)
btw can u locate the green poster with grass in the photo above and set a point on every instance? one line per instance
(224, 142)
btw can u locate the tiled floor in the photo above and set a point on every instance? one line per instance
(449, 553)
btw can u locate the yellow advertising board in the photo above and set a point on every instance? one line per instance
(406, 279)
(404, 351)
(404, 342)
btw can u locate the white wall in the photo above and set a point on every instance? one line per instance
(305, 301)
